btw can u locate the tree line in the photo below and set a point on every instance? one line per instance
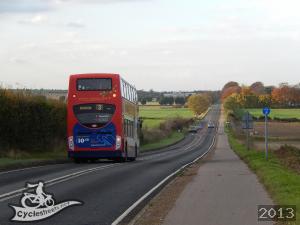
(257, 95)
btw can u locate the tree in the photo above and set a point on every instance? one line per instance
(229, 91)
(229, 85)
(198, 103)
(232, 103)
(265, 100)
(179, 100)
(166, 100)
(257, 88)
(143, 101)
(286, 95)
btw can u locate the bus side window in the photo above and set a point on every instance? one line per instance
(127, 91)
(123, 92)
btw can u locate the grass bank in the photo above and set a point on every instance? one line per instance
(173, 138)
(278, 113)
(21, 160)
(282, 183)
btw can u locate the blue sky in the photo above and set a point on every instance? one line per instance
(159, 44)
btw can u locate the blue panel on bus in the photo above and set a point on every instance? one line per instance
(94, 138)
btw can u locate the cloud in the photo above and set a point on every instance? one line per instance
(33, 6)
(25, 6)
(35, 20)
(76, 24)
(17, 60)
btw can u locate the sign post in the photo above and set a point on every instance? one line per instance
(266, 112)
(247, 124)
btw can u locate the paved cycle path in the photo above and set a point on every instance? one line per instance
(224, 192)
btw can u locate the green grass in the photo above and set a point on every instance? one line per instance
(157, 112)
(282, 183)
(173, 138)
(25, 160)
(154, 115)
(151, 123)
(279, 113)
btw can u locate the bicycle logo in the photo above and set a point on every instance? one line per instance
(38, 205)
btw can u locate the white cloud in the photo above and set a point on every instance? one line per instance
(35, 20)
(17, 60)
(76, 24)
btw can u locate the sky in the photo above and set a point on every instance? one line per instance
(154, 44)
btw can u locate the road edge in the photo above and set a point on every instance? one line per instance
(161, 184)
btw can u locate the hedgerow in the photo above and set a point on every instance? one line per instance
(30, 123)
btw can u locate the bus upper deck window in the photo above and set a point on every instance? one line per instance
(94, 84)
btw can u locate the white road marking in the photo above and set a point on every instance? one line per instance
(134, 205)
(18, 192)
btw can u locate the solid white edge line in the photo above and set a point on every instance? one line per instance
(134, 205)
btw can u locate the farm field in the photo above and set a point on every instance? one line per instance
(158, 112)
(279, 113)
(283, 130)
(154, 115)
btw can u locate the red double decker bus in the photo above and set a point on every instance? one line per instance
(102, 118)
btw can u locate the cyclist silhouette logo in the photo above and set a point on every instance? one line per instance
(39, 199)
(38, 205)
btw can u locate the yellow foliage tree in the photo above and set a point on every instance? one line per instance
(198, 103)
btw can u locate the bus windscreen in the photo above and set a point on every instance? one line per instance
(94, 84)
(94, 115)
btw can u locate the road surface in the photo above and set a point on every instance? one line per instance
(106, 189)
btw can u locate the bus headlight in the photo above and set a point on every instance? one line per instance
(71, 143)
(118, 142)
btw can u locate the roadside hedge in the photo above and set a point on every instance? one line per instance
(30, 123)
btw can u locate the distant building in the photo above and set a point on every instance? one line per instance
(178, 94)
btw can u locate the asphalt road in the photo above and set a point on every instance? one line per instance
(106, 189)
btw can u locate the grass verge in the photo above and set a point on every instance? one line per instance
(34, 159)
(173, 138)
(282, 183)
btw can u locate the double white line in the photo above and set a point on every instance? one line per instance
(57, 180)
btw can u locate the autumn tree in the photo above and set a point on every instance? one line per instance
(257, 88)
(229, 85)
(265, 100)
(229, 91)
(286, 95)
(198, 103)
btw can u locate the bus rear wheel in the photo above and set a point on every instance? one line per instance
(79, 160)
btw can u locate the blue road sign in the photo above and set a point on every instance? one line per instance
(266, 111)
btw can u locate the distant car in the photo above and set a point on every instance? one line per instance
(193, 129)
(210, 125)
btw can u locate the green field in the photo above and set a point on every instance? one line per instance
(154, 115)
(279, 113)
(281, 182)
